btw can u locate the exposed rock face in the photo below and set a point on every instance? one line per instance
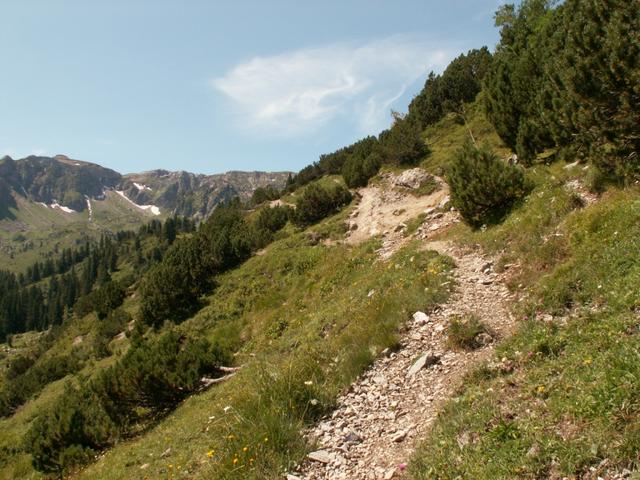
(412, 178)
(69, 183)
(195, 195)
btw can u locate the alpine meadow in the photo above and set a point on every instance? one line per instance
(453, 297)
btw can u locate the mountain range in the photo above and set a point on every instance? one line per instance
(54, 202)
(68, 184)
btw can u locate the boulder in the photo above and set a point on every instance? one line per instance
(411, 178)
(420, 318)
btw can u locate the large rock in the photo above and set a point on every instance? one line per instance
(412, 178)
(420, 318)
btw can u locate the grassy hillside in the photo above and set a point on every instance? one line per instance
(445, 137)
(35, 231)
(304, 325)
(305, 317)
(561, 397)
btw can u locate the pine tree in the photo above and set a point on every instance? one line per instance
(597, 78)
(483, 187)
(515, 80)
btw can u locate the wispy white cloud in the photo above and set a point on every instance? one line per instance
(296, 92)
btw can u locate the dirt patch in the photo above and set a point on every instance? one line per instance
(384, 211)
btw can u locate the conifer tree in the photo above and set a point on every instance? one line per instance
(483, 187)
(597, 80)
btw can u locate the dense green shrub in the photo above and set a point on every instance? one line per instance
(597, 77)
(318, 202)
(460, 83)
(102, 300)
(227, 237)
(171, 291)
(150, 380)
(114, 323)
(516, 79)
(70, 433)
(18, 365)
(332, 163)
(268, 221)
(26, 378)
(264, 194)
(273, 218)
(402, 144)
(172, 288)
(484, 187)
(357, 171)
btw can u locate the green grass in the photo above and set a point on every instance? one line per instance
(567, 395)
(463, 332)
(427, 187)
(36, 231)
(302, 324)
(414, 224)
(448, 135)
(305, 327)
(560, 396)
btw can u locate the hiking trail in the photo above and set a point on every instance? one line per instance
(374, 430)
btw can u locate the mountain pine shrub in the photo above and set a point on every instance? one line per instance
(318, 202)
(357, 171)
(148, 382)
(483, 187)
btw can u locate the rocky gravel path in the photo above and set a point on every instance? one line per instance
(374, 430)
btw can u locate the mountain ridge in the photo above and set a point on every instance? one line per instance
(69, 182)
(51, 203)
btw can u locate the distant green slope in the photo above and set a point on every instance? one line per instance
(36, 230)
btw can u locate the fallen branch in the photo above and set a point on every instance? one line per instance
(229, 369)
(207, 381)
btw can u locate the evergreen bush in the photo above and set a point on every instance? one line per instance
(318, 202)
(357, 171)
(484, 187)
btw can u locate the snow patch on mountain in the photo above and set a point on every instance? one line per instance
(141, 186)
(152, 208)
(62, 207)
(89, 207)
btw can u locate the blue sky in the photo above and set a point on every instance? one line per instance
(211, 86)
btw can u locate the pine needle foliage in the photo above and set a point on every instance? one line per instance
(484, 187)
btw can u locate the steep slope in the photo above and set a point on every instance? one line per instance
(274, 311)
(193, 195)
(58, 180)
(50, 203)
(560, 399)
(373, 431)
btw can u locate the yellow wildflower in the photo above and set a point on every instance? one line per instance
(210, 453)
